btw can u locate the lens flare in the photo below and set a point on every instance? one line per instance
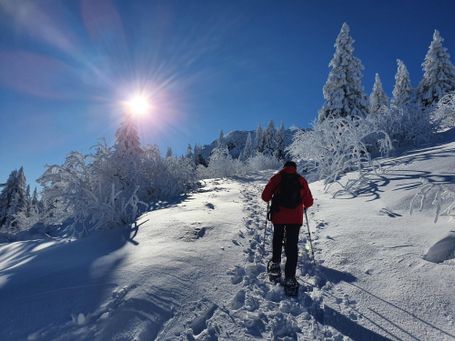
(138, 105)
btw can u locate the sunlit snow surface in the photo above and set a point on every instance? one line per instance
(195, 269)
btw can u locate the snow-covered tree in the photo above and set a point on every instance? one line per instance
(221, 141)
(404, 121)
(86, 198)
(260, 161)
(378, 98)
(343, 92)
(403, 94)
(336, 146)
(248, 150)
(259, 142)
(439, 74)
(198, 158)
(35, 200)
(177, 176)
(112, 186)
(127, 143)
(189, 152)
(13, 200)
(221, 164)
(269, 139)
(169, 152)
(280, 143)
(444, 114)
(127, 157)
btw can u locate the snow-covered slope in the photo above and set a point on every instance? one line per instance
(196, 270)
(388, 286)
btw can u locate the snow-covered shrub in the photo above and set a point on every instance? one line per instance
(441, 197)
(444, 114)
(404, 121)
(85, 194)
(262, 162)
(111, 186)
(221, 164)
(338, 145)
(406, 126)
(177, 176)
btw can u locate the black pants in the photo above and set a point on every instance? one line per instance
(291, 247)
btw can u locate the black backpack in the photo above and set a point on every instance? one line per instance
(288, 193)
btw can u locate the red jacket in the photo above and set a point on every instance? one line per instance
(288, 215)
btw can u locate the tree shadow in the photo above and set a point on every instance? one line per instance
(348, 326)
(335, 276)
(371, 187)
(49, 285)
(328, 316)
(403, 311)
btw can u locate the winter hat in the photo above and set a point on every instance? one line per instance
(290, 164)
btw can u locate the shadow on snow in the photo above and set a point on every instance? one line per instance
(46, 287)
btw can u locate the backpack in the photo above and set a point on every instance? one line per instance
(288, 193)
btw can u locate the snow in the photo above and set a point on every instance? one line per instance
(195, 269)
(443, 250)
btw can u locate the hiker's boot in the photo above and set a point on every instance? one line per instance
(291, 286)
(274, 271)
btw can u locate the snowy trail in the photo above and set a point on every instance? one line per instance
(253, 307)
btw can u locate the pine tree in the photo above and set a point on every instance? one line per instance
(28, 201)
(13, 199)
(169, 152)
(269, 140)
(343, 92)
(403, 94)
(35, 199)
(439, 74)
(405, 122)
(35, 202)
(248, 150)
(189, 152)
(259, 140)
(127, 157)
(221, 141)
(197, 157)
(280, 145)
(378, 98)
(127, 144)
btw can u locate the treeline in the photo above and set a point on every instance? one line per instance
(352, 128)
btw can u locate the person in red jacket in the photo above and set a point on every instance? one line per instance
(287, 218)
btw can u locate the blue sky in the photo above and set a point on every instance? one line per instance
(65, 66)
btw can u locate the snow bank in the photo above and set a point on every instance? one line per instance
(443, 250)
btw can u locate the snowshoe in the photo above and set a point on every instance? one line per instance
(274, 271)
(291, 287)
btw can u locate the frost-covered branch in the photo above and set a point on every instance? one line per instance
(441, 197)
(340, 145)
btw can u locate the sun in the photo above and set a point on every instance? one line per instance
(138, 105)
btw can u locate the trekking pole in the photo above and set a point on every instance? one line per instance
(265, 228)
(309, 235)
